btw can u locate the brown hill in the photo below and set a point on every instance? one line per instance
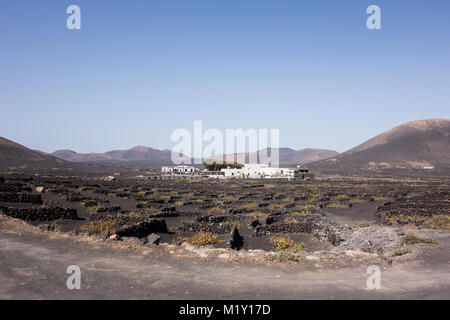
(15, 157)
(287, 156)
(422, 144)
(135, 156)
(308, 155)
(144, 156)
(73, 156)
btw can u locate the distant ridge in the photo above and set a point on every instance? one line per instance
(150, 156)
(16, 158)
(416, 145)
(133, 154)
(287, 156)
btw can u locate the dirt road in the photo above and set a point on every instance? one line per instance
(33, 266)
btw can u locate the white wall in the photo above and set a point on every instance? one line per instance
(254, 171)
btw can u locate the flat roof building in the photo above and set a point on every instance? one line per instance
(181, 170)
(258, 171)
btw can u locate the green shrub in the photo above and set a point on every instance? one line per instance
(283, 243)
(413, 239)
(100, 226)
(217, 210)
(400, 252)
(441, 222)
(202, 239)
(257, 214)
(337, 206)
(279, 257)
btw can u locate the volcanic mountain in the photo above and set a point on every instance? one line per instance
(287, 156)
(306, 155)
(136, 155)
(153, 157)
(15, 157)
(421, 144)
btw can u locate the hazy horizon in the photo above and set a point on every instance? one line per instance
(138, 70)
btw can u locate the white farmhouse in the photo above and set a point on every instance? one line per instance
(182, 170)
(258, 171)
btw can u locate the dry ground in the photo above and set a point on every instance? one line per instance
(33, 266)
(344, 225)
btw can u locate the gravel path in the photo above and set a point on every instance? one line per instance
(33, 266)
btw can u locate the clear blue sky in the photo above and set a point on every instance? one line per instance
(137, 70)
